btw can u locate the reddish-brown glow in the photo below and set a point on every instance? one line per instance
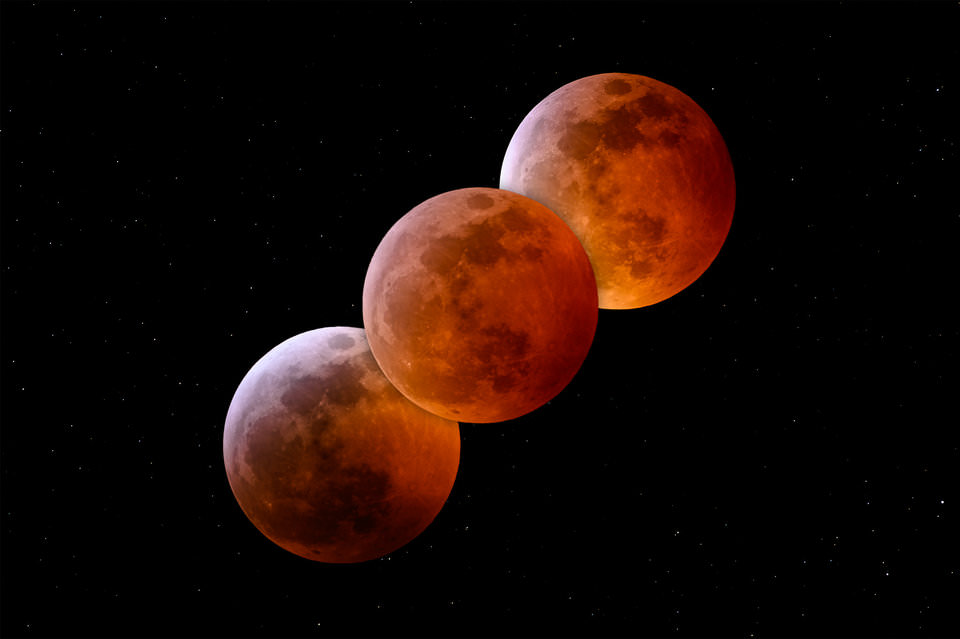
(639, 172)
(480, 305)
(327, 459)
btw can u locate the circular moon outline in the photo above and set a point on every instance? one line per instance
(640, 173)
(480, 305)
(327, 459)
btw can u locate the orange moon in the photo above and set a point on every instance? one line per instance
(480, 305)
(327, 459)
(639, 172)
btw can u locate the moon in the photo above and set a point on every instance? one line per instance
(639, 172)
(327, 459)
(480, 305)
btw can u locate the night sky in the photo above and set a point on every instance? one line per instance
(772, 452)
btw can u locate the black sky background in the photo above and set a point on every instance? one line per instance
(772, 452)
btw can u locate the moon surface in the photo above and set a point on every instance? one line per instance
(480, 305)
(639, 172)
(327, 459)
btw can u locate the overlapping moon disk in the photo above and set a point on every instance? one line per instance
(639, 172)
(327, 459)
(480, 305)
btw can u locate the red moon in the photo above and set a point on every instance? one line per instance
(639, 172)
(327, 459)
(480, 305)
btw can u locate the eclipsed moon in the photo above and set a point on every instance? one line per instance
(639, 172)
(327, 459)
(480, 305)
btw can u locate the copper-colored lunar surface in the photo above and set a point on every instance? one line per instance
(480, 305)
(327, 459)
(639, 172)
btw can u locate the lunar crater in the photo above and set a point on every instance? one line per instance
(341, 342)
(621, 130)
(655, 105)
(479, 201)
(617, 87)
